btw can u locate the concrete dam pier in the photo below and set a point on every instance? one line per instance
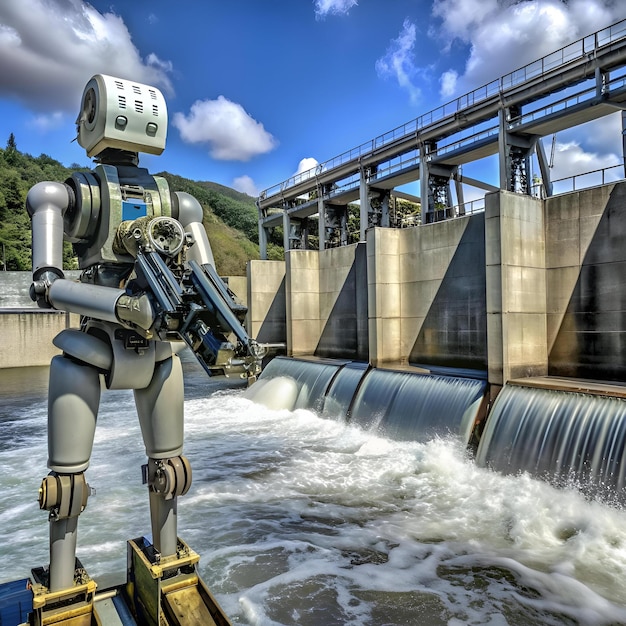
(527, 288)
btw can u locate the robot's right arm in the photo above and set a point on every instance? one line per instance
(47, 204)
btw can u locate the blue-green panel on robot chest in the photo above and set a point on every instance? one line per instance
(131, 210)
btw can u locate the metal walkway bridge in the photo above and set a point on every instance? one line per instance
(581, 82)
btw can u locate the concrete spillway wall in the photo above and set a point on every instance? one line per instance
(27, 336)
(528, 288)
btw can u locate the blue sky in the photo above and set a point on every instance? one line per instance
(256, 90)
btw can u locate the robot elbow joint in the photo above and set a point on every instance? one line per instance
(186, 209)
(48, 196)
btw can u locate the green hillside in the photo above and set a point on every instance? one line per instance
(230, 217)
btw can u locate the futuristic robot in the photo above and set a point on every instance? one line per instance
(148, 286)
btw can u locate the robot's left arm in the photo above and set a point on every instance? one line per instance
(47, 204)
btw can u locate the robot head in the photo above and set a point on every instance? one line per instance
(121, 114)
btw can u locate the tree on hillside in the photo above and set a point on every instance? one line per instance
(11, 152)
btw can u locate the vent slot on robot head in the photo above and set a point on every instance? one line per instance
(121, 114)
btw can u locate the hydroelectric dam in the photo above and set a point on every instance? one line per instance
(501, 321)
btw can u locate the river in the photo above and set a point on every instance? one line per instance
(303, 520)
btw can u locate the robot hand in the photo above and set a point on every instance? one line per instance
(136, 311)
(40, 289)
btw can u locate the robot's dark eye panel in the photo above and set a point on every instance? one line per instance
(89, 106)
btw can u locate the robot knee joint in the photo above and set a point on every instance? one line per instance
(169, 477)
(64, 495)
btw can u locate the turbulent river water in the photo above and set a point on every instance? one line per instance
(304, 520)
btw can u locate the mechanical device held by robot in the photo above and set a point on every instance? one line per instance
(148, 284)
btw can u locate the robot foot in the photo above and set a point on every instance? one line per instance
(73, 605)
(170, 591)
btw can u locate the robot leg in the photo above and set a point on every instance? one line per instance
(160, 410)
(73, 401)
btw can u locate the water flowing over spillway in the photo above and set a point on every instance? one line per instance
(417, 407)
(402, 405)
(561, 436)
(307, 520)
(313, 378)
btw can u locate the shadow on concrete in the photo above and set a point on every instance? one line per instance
(274, 326)
(345, 334)
(454, 333)
(591, 341)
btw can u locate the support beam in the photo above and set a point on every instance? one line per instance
(405, 196)
(424, 173)
(602, 82)
(514, 153)
(262, 241)
(544, 168)
(286, 231)
(379, 207)
(459, 195)
(503, 160)
(304, 233)
(624, 140)
(337, 225)
(364, 201)
(321, 210)
(473, 182)
(384, 218)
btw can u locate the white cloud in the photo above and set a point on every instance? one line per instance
(448, 83)
(399, 63)
(245, 184)
(9, 37)
(588, 168)
(461, 17)
(594, 146)
(305, 166)
(604, 134)
(228, 129)
(153, 61)
(50, 48)
(334, 7)
(503, 35)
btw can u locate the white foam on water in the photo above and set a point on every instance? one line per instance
(303, 520)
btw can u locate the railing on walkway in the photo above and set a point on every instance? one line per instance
(585, 47)
(593, 178)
